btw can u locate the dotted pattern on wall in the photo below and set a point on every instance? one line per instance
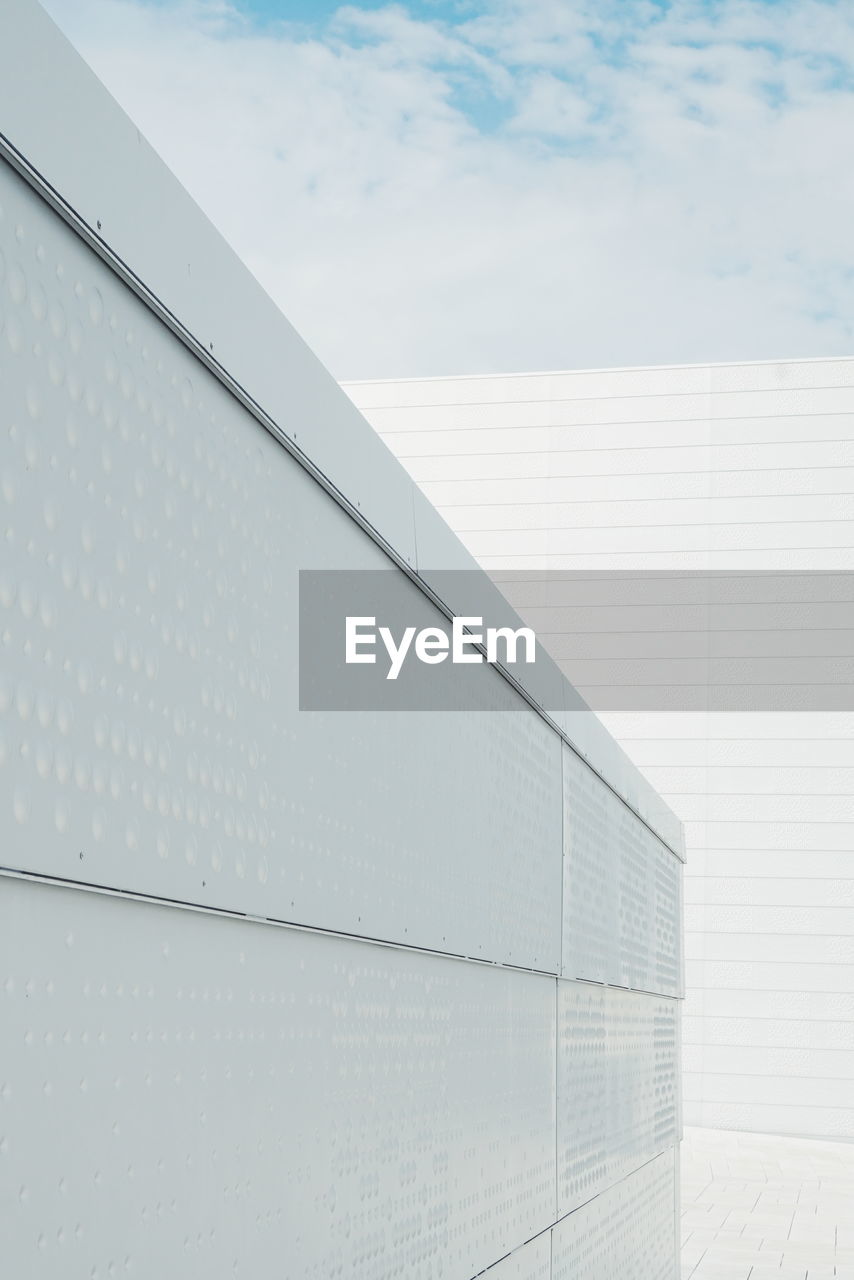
(235, 1093)
(148, 632)
(617, 1086)
(627, 1231)
(621, 914)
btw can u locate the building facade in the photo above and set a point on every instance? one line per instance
(283, 989)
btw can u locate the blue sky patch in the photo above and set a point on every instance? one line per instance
(314, 15)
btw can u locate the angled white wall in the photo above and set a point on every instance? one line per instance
(745, 467)
(280, 988)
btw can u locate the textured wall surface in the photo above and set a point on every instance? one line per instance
(284, 993)
(746, 467)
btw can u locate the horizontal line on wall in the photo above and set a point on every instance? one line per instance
(624, 574)
(695, 931)
(615, 986)
(729, 1044)
(697, 631)
(521, 375)
(724, 629)
(691, 684)
(611, 448)
(518, 375)
(784, 935)
(664, 551)
(656, 498)
(634, 475)
(754, 1074)
(678, 524)
(763, 822)
(774, 849)
(59, 882)
(16, 873)
(777, 1133)
(751, 879)
(710, 768)
(709, 393)
(677, 419)
(793, 795)
(628, 608)
(763, 992)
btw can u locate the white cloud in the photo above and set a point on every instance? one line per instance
(548, 185)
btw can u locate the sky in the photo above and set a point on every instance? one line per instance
(479, 186)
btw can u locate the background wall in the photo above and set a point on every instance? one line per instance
(745, 466)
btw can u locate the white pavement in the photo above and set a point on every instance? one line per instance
(756, 1207)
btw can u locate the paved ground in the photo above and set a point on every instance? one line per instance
(766, 1208)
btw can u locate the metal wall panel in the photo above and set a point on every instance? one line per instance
(626, 1231)
(151, 736)
(617, 1086)
(256, 1100)
(590, 912)
(621, 887)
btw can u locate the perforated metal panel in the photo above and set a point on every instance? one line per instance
(590, 908)
(629, 1230)
(617, 1086)
(582, 1092)
(237, 1093)
(153, 739)
(621, 913)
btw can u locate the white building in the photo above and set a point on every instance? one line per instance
(283, 989)
(736, 467)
